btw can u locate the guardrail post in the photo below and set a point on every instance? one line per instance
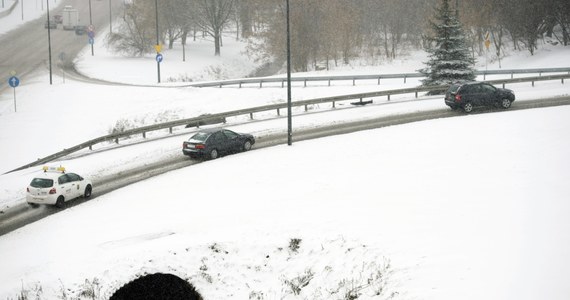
(306, 107)
(170, 130)
(388, 97)
(305, 82)
(260, 84)
(353, 82)
(512, 75)
(116, 140)
(405, 78)
(329, 82)
(91, 147)
(533, 83)
(240, 85)
(251, 116)
(378, 80)
(416, 94)
(503, 85)
(484, 76)
(144, 135)
(562, 80)
(278, 113)
(334, 104)
(221, 85)
(283, 83)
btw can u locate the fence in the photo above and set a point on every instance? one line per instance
(354, 78)
(277, 107)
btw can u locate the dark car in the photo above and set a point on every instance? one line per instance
(472, 94)
(58, 19)
(51, 24)
(80, 29)
(211, 143)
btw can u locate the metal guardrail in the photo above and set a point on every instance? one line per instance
(354, 78)
(250, 111)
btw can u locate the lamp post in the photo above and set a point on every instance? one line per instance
(157, 39)
(91, 26)
(289, 117)
(49, 43)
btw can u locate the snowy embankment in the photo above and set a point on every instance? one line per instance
(471, 207)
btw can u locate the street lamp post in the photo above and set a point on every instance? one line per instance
(157, 39)
(91, 26)
(49, 43)
(289, 117)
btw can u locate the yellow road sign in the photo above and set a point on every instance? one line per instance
(487, 43)
(158, 48)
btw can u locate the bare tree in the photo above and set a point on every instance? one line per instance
(212, 16)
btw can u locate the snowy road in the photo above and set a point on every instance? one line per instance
(21, 215)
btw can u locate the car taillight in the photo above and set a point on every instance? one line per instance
(457, 98)
(52, 191)
(200, 146)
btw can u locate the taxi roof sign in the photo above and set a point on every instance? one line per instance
(59, 169)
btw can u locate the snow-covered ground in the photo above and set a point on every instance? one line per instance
(31, 10)
(473, 207)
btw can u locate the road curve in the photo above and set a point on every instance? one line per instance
(25, 49)
(22, 215)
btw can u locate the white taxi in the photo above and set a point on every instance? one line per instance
(54, 186)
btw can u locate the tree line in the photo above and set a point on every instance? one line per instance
(330, 32)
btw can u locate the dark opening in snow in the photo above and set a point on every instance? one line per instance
(157, 287)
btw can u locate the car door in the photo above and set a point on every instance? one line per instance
(488, 94)
(76, 185)
(219, 141)
(233, 140)
(64, 185)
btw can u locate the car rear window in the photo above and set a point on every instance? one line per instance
(200, 137)
(453, 88)
(41, 183)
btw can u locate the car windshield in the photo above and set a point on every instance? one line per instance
(200, 137)
(41, 183)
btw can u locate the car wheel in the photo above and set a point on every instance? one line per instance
(214, 154)
(468, 107)
(88, 191)
(506, 103)
(247, 145)
(60, 202)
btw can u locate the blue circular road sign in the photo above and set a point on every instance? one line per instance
(159, 57)
(14, 81)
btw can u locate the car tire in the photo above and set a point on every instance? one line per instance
(60, 202)
(214, 154)
(506, 103)
(468, 107)
(87, 192)
(247, 145)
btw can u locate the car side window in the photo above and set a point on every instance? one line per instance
(218, 137)
(488, 88)
(467, 89)
(72, 177)
(63, 179)
(230, 134)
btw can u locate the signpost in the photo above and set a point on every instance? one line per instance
(14, 82)
(487, 44)
(91, 35)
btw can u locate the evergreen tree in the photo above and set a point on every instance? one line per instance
(449, 57)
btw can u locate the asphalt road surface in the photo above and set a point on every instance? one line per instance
(22, 215)
(25, 49)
